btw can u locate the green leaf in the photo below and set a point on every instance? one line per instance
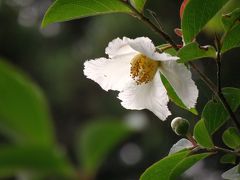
(202, 136)
(186, 163)
(174, 97)
(231, 39)
(215, 25)
(233, 97)
(196, 15)
(231, 138)
(194, 51)
(139, 4)
(24, 115)
(231, 23)
(162, 169)
(64, 10)
(98, 139)
(231, 19)
(228, 159)
(33, 158)
(215, 115)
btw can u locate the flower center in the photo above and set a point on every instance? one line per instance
(143, 69)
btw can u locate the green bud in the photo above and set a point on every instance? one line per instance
(180, 126)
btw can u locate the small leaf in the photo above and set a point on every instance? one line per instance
(24, 115)
(180, 145)
(138, 4)
(33, 158)
(174, 97)
(202, 136)
(162, 169)
(231, 138)
(196, 15)
(232, 174)
(231, 19)
(186, 163)
(228, 159)
(64, 10)
(193, 51)
(98, 139)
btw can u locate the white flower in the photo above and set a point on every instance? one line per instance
(133, 68)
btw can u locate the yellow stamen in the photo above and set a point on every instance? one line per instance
(143, 69)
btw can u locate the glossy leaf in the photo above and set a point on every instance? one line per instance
(231, 138)
(228, 159)
(196, 15)
(64, 10)
(174, 97)
(231, 23)
(33, 158)
(216, 25)
(98, 139)
(182, 8)
(215, 115)
(162, 169)
(233, 96)
(139, 4)
(186, 163)
(24, 115)
(232, 39)
(230, 19)
(202, 136)
(194, 51)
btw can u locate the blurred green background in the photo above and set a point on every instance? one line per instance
(83, 132)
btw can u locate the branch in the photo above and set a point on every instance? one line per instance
(220, 149)
(204, 78)
(147, 21)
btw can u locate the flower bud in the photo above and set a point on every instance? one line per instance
(180, 126)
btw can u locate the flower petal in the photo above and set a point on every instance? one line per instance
(180, 145)
(232, 174)
(111, 74)
(119, 47)
(180, 78)
(145, 46)
(151, 96)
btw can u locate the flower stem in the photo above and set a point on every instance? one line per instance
(191, 139)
